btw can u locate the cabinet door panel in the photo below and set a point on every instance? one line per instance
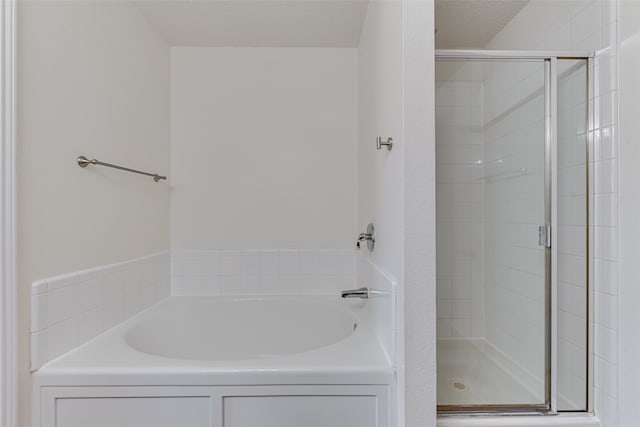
(300, 411)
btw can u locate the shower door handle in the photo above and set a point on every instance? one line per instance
(544, 235)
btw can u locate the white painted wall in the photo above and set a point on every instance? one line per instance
(397, 188)
(417, 325)
(380, 172)
(302, 120)
(94, 80)
(380, 179)
(263, 148)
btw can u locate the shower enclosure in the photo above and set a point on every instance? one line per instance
(512, 231)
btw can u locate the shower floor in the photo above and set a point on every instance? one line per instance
(467, 375)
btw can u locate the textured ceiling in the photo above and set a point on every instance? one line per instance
(298, 23)
(472, 23)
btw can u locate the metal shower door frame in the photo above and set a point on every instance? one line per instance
(550, 59)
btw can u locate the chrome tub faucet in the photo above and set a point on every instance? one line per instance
(362, 293)
(367, 237)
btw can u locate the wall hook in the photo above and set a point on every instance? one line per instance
(380, 144)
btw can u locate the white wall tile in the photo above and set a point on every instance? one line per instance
(62, 304)
(586, 23)
(90, 324)
(230, 285)
(38, 312)
(133, 302)
(289, 285)
(211, 285)
(90, 293)
(347, 282)
(460, 328)
(114, 285)
(289, 262)
(268, 271)
(62, 281)
(609, 383)
(327, 262)
(250, 263)
(577, 25)
(270, 263)
(231, 263)
(186, 265)
(346, 262)
(39, 287)
(308, 264)
(211, 261)
(269, 283)
(162, 288)
(250, 284)
(80, 305)
(113, 313)
(149, 296)
(443, 328)
(38, 349)
(61, 338)
(188, 285)
(90, 274)
(326, 284)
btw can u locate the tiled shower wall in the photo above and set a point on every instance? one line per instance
(459, 204)
(588, 25)
(69, 310)
(572, 26)
(263, 271)
(514, 165)
(515, 281)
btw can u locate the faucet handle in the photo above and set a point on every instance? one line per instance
(368, 236)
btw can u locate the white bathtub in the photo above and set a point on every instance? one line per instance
(228, 329)
(225, 361)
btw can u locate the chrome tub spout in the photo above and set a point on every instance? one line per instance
(355, 293)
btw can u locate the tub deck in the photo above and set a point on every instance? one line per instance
(107, 383)
(109, 360)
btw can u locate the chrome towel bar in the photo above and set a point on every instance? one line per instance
(83, 162)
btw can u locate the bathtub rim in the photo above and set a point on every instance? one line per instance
(359, 358)
(177, 306)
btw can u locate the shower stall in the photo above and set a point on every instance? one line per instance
(512, 168)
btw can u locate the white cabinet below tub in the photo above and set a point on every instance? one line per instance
(133, 412)
(215, 406)
(300, 411)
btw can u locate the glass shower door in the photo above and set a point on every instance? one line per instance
(493, 204)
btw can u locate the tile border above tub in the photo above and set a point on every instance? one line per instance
(70, 309)
(262, 271)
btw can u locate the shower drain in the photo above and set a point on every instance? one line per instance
(458, 385)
